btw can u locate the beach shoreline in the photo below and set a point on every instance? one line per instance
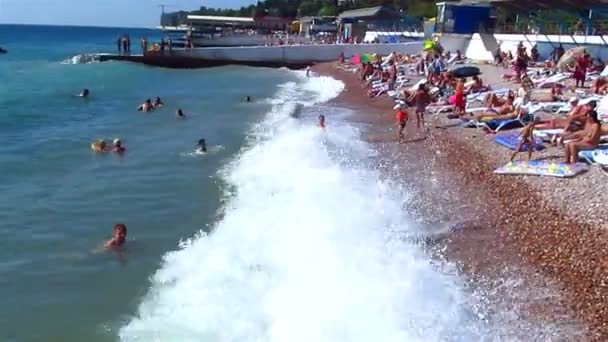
(511, 228)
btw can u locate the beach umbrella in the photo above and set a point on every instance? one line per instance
(366, 58)
(428, 45)
(570, 56)
(356, 59)
(466, 71)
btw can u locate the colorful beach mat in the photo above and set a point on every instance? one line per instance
(597, 156)
(542, 168)
(510, 141)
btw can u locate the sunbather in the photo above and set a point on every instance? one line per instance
(492, 100)
(588, 141)
(477, 86)
(575, 113)
(578, 120)
(600, 86)
(507, 109)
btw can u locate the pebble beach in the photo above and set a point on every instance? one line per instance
(538, 243)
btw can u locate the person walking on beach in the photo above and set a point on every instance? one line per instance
(421, 99)
(401, 117)
(526, 140)
(580, 70)
(119, 236)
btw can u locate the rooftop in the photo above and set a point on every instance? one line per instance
(527, 5)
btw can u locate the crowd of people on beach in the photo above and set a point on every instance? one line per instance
(534, 86)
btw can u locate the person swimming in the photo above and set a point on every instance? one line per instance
(247, 98)
(308, 71)
(99, 146)
(202, 146)
(84, 93)
(146, 106)
(117, 146)
(119, 236)
(157, 102)
(180, 113)
(321, 122)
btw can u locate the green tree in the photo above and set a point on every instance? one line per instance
(328, 11)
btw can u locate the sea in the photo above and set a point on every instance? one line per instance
(281, 232)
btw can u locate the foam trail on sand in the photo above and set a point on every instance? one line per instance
(308, 249)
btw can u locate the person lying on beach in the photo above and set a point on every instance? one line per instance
(526, 139)
(421, 99)
(117, 147)
(119, 236)
(492, 100)
(180, 114)
(576, 113)
(146, 106)
(401, 117)
(84, 93)
(556, 93)
(476, 86)
(201, 147)
(157, 102)
(600, 86)
(492, 114)
(99, 146)
(588, 141)
(321, 122)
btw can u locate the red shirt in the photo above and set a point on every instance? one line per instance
(401, 115)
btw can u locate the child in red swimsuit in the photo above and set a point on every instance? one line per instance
(401, 117)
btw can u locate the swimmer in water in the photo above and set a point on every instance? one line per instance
(180, 114)
(99, 146)
(308, 71)
(146, 106)
(117, 146)
(202, 146)
(321, 122)
(157, 102)
(247, 98)
(84, 93)
(119, 236)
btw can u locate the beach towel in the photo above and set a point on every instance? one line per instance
(542, 168)
(597, 156)
(511, 140)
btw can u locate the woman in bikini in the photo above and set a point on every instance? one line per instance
(588, 141)
(492, 114)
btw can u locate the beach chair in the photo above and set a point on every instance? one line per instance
(495, 126)
(550, 81)
(479, 97)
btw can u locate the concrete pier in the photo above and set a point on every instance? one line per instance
(289, 56)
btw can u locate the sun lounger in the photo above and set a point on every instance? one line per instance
(597, 156)
(550, 81)
(481, 96)
(497, 125)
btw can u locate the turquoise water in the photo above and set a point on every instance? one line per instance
(282, 233)
(59, 201)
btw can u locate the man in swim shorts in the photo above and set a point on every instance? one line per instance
(401, 117)
(119, 236)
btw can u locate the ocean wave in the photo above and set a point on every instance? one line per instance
(310, 249)
(86, 58)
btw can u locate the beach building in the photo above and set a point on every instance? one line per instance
(379, 24)
(311, 26)
(480, 27)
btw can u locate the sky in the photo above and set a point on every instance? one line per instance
(113, 13)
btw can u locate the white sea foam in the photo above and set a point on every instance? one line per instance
(308, 249)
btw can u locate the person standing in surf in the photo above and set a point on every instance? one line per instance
(401, 117)
(321, 122)
(421, 99)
